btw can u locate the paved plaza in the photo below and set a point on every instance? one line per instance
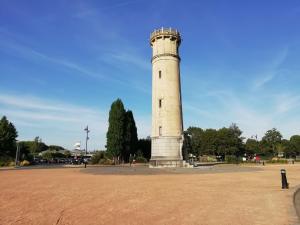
(224, 194)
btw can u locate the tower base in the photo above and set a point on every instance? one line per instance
(166, 152)
(166, 163)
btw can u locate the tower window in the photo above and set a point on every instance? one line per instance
(159, 74)
(159, 103)
(160, 130)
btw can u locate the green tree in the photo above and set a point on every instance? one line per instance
(286, 147)
(67, 154)
(100, 157)
(25, 153)
(38, 146)
(295, 143)
(47, 155)
(252, 147)
(8, 135)
(195, 133)
(265, 148)
(230, 141)
(56, 147)
(272, 138)
(237, 139)
(223, 142)
(34, 147)
(144, 146)
(130, 136)
(209, 142)
(115, 134)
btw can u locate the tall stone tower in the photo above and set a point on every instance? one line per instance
(167, 125)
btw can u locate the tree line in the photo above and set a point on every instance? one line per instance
(27, 149)
(31, 149)
(229, 141)
(122, 141)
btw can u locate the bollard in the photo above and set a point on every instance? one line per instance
(263, 163)
(284, 183)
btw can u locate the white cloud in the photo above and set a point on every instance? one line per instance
(31, 54)
(86, 11)
(272, 69)
(228, 108)
(55, 121)
(200, 111)
(32, 102)
(61, 123)
(132, 59)
(263, 79)
(127, 58)
(286, 102)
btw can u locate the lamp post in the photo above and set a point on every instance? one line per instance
(257, 146)
(86, 140)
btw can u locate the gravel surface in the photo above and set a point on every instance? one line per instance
(145, 170)
(226, 195)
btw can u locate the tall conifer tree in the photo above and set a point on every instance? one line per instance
(130, 136)
(115, 134)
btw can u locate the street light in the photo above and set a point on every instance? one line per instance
(86, 140)
(257, 146)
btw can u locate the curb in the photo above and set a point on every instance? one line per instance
(296, 201)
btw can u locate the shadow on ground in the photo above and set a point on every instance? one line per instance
(145, 170)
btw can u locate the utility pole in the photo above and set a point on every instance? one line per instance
(86, 140)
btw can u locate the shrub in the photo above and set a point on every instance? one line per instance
(25, 163)
(141, 159)
(5, 161)
(232, 159)
(11, 163)
(278, 160)
(47, 155)
(2, 163)
(105, 161)
(100, 158)
(207, 158)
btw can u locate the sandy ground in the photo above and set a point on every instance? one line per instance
(91, 196)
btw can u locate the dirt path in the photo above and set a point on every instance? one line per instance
(70, 196)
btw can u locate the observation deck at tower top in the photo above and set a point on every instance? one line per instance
(165, 32)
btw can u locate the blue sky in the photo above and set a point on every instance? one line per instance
(62, 63)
